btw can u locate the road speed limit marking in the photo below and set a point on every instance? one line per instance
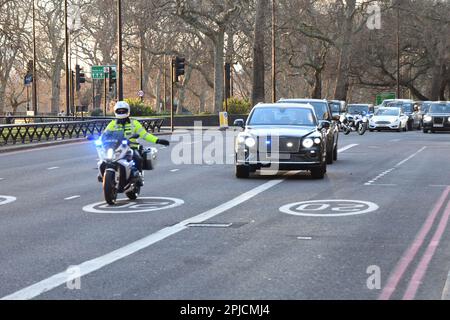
(329, 208)
(6, 200)
(145, 204)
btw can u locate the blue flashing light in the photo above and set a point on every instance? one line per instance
(98, 143)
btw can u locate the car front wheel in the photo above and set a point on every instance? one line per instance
(242, 171)
(319, 173)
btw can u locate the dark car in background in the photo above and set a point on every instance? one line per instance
(337, 107)
(281, 136)
(323, 112)
(437, 117)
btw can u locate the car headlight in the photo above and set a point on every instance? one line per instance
(308, 143)
(250, 142)
(317, 140)
(427, 118)
(110, 154)
(240, 139)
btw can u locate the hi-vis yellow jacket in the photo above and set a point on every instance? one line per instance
(132, 127)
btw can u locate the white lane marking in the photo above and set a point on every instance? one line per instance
(395, 140)
(174, 170)
(72, 198)
(2, 179)
(381, 175)
(304, 238)
(6, 199)
(410, 157)
(347, 147)
(380, 184)
(53, 168)
(100, 262)
(446, 291)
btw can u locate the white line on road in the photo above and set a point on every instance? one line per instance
(72, 198)
(410, 157)
(2, 179)
(100, 262)
(174, 170)
(347, 147)
(381, 175)
(53, 168)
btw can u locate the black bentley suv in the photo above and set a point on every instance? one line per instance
(282, 136)
(437, 118)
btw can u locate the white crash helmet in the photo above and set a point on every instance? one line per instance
(122, 110)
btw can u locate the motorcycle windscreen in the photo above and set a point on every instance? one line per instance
(112, 139)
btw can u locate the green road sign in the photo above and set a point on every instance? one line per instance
(385, 96)
(100, 72)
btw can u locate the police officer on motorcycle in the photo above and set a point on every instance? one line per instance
(131, 127)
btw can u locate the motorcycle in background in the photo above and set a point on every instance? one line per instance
(354, 123)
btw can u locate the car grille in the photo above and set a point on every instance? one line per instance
(382, 122)
(438, 120)
(283, 142)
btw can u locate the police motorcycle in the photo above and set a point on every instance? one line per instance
(116, 165)
(358, 122)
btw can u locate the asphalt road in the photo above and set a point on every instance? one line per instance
(249, 248)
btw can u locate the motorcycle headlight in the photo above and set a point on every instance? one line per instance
(250, 142)
(98, 143)
(427, 118)
(308, 143)
(109, 154)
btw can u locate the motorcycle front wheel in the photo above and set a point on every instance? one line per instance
(362, 128)
(109, 187)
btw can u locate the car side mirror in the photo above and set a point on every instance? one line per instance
(239, 123)
(324, 125)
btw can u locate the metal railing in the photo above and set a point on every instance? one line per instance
(42, 119)
(12, 134)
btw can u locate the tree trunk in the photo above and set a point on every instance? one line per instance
(340, 92)
(202, 102)
(56, 88)
(219, 45)
(158, 92)
(258, 90)
(2, 98)
(316, 92)
(182, 90)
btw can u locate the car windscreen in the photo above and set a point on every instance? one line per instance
(335, 107)
(282, 116)
(408, 108)
(358, 109)
(440, 108)
(112, 139)
(388, 112)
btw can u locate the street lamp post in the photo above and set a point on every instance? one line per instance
(119, 51)
(274, 70)
(35, 106)
(66, 29)
(398, 49)
(141, 71)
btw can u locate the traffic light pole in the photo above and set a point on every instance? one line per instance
(172, 93)
(119, 51)
(34, 90)
(67, 57)
(104, 103)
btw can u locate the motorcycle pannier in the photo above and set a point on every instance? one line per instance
(150, 156)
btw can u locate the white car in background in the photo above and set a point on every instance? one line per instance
(389, 119)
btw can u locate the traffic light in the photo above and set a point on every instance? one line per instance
(178, 66)
(112, 78)
(79, 77)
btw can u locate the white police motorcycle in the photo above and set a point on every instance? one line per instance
(358, 122)
(117, 167)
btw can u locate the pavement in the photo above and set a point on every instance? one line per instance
(203, 234)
